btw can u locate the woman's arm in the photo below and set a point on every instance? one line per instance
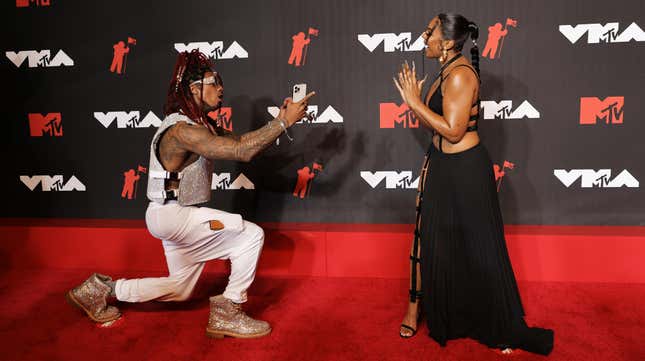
(460, 89)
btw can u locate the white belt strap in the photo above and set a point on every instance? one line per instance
(162, 174)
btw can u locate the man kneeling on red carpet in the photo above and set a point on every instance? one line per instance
(180, 175)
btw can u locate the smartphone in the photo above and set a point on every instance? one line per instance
(299, 92)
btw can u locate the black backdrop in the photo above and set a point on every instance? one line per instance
(563, 83)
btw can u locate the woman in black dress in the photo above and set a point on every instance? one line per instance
(459, 258)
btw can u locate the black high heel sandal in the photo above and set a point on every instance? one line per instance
(415, 259)
(414, 297)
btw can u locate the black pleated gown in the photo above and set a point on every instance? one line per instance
(467, 279)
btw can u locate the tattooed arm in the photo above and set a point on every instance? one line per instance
(200, 140)
(226, 133)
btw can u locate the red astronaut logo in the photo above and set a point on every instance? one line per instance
(500, 172)
(120, 55)
(298, 55)
(495, 40)
(130, 181)
(306, 175)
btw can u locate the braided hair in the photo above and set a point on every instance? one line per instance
(457, 28)
(190, 66)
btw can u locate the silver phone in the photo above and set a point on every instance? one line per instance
(299, 92)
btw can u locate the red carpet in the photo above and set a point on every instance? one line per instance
(312, 318)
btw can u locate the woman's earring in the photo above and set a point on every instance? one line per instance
(444, 55)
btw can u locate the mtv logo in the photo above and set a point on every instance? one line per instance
(330, 115)
(223, 117)
(504, 110)
(590, 178)
(39, 58)
(129, 119)
(393, 180)
(50, 124)
(222, 181)
(608, 111)
(598, 33)
(215, 49)
(25, 3)
(52, 183)
(391, 42)
(394, 116)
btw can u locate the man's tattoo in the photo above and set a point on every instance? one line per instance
(252, 143)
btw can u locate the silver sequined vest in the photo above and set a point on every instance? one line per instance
(194, 180)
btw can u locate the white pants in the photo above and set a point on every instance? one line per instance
(188, 243)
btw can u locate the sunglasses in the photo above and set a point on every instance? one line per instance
(215, 79)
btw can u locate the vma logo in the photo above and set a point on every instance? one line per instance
(215, 49)
(394, 116)
(500, 172)
(496, 36)
(50, 124)
(504, 110)
(120, 56)
(130, 119)
(598, 33)
(596, 179)
(27, 3)
(52, 183)
(39, 59)
(222, 117)
(222, 181)
(392, 42)
(608, 111)
(301, 42)
(131, 180)
(330, 115)
(305, 179)
(393, 180)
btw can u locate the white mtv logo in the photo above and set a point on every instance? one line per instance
(504, 110)
(223, 181)
(596, 179)
(598, 33)
(52, 183)
(39, 58)
(329, 115)
(393, 180)
(215, 49)
(130, 119)
(392, 42)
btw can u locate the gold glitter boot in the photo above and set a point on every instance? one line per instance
(91, 297)
(227, 319)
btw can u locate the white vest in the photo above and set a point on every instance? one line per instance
(194, 180)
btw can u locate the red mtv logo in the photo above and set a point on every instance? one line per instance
(394, 116)
(609, 111)
(222, 117)
(25, 3)
(50, 124)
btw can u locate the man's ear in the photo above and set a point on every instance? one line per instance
(194, 90)
(448, 44)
